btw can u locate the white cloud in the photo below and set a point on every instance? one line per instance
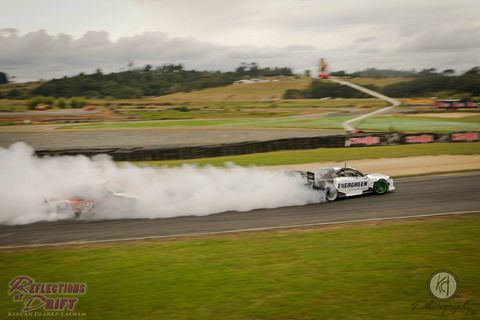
(444, 38)
(219, 34)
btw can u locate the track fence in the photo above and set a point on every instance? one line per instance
(230, 149)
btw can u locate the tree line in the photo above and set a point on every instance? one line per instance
(389, 73)
(145, 81)
(428, 83)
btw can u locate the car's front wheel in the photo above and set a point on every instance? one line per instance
(380, 186)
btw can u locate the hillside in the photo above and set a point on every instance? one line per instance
(273, 89)
(142, 82)
(18, 90)
(379, 82)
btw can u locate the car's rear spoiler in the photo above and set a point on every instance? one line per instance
(308, 175)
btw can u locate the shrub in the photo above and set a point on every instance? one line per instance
(61, 103)
(38, 100)
(78, 102)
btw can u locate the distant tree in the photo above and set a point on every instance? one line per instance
(147, 68)
(40, 100)
(162, 80)
(427, 72)
(15, 93)
(253, 69)
(340, 73)
(448, 72)
(294, 94)
(242, 68)
(307, 73)
(3, 78)
(382, 73)
(323, 89)
(78, 102)
(61, 103)
(475, 70)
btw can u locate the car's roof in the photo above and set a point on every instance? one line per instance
(334, 168)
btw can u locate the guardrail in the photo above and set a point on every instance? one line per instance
(334, 141)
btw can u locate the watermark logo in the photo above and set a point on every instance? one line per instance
(443, 285)
(45, 299)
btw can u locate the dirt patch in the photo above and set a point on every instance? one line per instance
(400, 166)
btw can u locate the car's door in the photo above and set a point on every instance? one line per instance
(351, 182)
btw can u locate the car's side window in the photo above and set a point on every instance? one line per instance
(358, 173)
(351, 173)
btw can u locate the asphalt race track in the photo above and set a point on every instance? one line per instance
(416, 196)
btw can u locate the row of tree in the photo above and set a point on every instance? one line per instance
(442, 85)
(253, 70)
(322, 89)
(146, 81)
(62, 103)
(464, 86)
(3, 78)
(389, 73)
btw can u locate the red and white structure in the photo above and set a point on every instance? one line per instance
(323, 69)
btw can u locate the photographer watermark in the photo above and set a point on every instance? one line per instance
(45, 299)
(443, 286)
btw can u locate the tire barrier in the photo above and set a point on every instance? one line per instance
(418, 138)
(367, 139)
(208, 151)
(464, 136)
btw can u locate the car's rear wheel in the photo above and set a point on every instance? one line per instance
(331, 193)
(380, 186)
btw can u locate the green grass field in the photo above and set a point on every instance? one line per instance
(379, 82)
(309, 121)
(330, 154)
(360, 271)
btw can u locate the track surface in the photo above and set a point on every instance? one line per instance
(414, 197)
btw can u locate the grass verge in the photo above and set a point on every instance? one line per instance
(359, 271)
(331, 154)
(316, 121)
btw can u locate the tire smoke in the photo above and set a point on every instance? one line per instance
(27, 180)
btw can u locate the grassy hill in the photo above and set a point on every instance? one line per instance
(243, 92)
(379, 82)
(18, 90)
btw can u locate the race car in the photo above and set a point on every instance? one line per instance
(346, 182)
(88, 199)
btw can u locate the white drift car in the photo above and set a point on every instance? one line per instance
(88, 199)
(345, 182)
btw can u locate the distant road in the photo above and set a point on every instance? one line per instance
(47, 113)
(348, 125)
(414, 197)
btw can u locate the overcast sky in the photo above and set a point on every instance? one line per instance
(52, 38)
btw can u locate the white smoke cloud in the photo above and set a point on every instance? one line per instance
(26, 181)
